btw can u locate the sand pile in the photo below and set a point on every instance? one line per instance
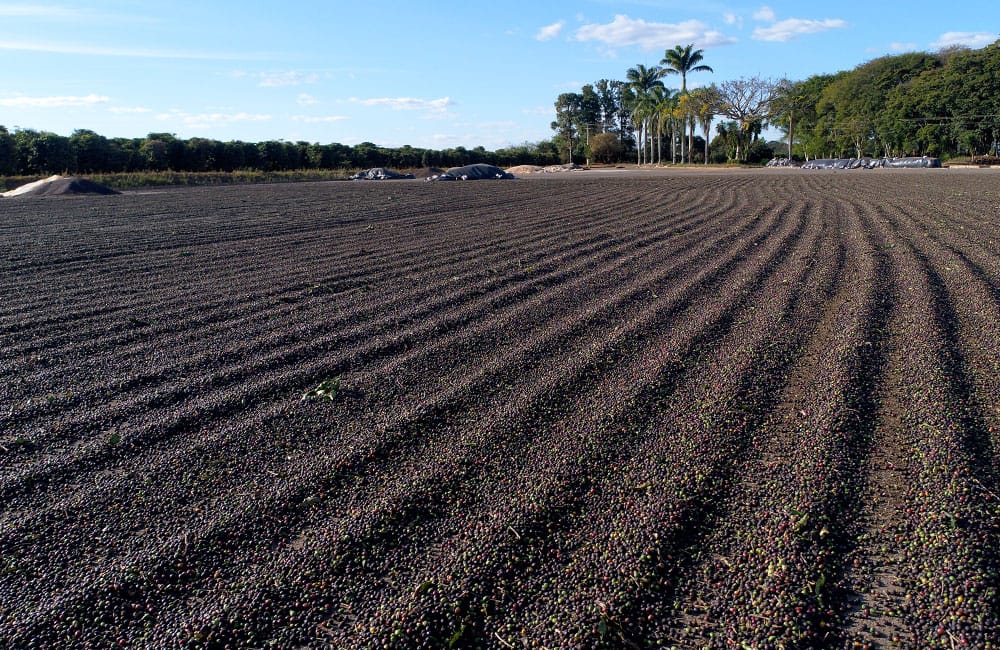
(520, 170)
(59, 185)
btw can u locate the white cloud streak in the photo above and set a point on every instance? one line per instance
(126, 110)
(408, 103)
(968, 39)
(625, 31)
(211, 119)
(765, 14)
(319, 119)
(35, 11)
(97, 50)
(290, 78)
(68, 13)
(52, 102)
(786, 30)
(550, 31)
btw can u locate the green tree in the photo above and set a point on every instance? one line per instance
(853, 104)
(609, 98)
(642, 101)
(794, 112)
(606, 148)
(567, 122)
(704, 102)
(747, 101)
(92, 151)
(666, 110)
(154, 154)
(682, 60)
(8, 153)
(44, 152)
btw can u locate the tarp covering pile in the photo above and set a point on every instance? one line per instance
(59, 185)
(922, 162)
(781, 162)
(380, 174)
(477, 172)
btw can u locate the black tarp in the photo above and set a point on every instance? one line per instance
(477, 172)
(380, 174)
(923, 162)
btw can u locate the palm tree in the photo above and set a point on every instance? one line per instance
(682, 60)
(641, 81)
(666, 100)
(705, 101)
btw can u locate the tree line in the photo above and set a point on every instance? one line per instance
(943, 104)
(26, 152)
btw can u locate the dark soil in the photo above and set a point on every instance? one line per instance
(601, 410)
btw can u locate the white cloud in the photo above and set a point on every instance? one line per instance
(902, 47)
(733, 19)
(786, 30)
(539, 110)
(211, 119)
(305, 99)
(97, 50)
(34, 11)
(765, 14)
(52, 102)
(968, 39)
(408, 103)
(624, 31)
(125, 110)
(550, 31)
(67, 13)
(318, 119)
(290, 78)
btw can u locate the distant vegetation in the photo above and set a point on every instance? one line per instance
(161, 156)
(943, 104)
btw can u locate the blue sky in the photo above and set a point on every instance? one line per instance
(429, 74)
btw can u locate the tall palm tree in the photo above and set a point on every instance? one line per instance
(666, 100)
(682, 60)
(641, 81)
(705, 102)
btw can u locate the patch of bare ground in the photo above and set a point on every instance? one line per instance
(632, 409)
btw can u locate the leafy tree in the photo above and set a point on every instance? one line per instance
(154, 153)
(682, 60)
(704, 102)
(92, 151)
(43, 152)
(642, 101)
(569, 108)
(606, 148)
(589, 119)
(747, 101)
(8, 153)
(666, 111)
(609, 98)
(794, 111)
(853, 104)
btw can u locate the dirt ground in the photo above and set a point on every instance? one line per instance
(601, 409)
